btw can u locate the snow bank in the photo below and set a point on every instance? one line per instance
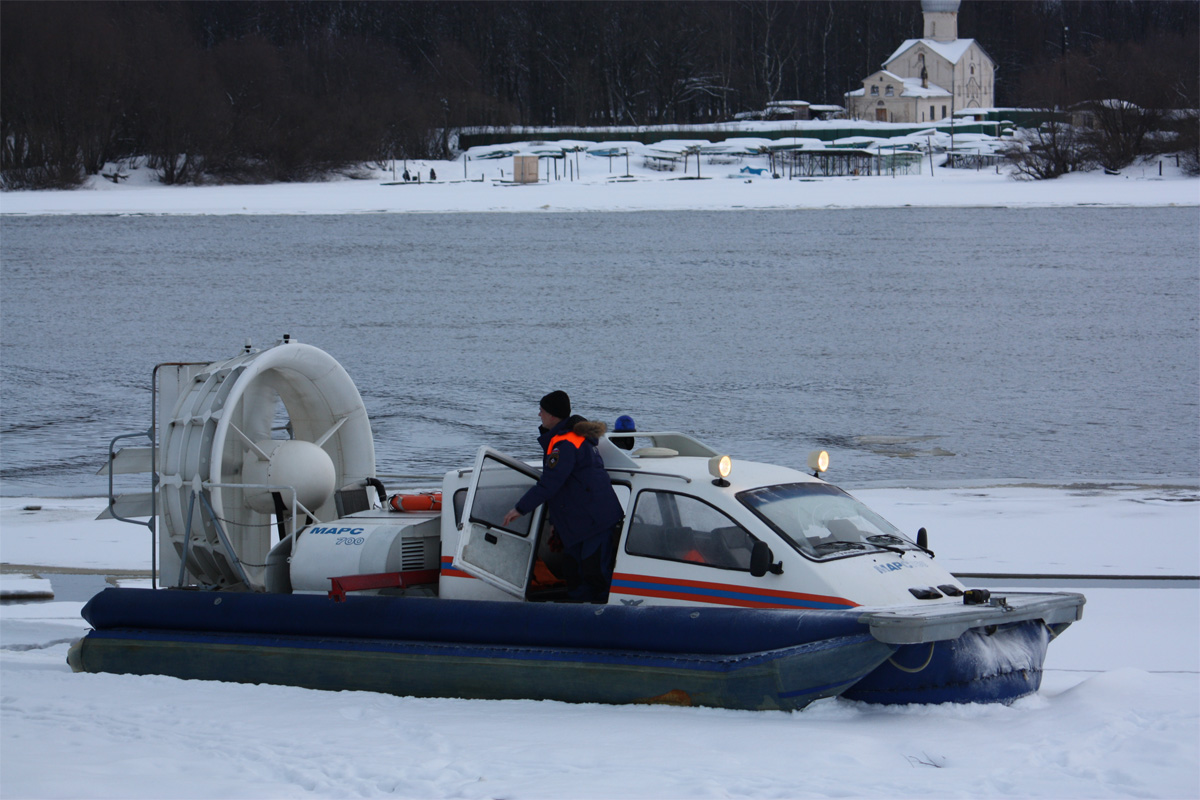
(1120, 733)
(24, 587)
(65, 533)
(483, 185)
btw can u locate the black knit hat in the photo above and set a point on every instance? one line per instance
(557, 404)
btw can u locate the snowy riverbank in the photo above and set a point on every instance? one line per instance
(477, 187)
(1118, 714)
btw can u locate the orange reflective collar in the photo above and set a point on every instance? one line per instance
(573, 438)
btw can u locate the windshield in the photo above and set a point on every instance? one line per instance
(822, 521)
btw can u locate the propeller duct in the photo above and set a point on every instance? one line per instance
(224, 454)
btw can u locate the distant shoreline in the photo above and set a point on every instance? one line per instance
(722, 188)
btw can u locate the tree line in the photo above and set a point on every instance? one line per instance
(267, 91)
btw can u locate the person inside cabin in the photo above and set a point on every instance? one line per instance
(579, 496)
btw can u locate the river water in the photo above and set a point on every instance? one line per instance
(922, 346)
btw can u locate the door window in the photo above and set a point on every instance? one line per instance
(498, 488)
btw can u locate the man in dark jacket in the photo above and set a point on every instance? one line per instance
(578, 494)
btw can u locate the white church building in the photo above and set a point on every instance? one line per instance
(928, 79)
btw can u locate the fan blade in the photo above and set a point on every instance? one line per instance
(258, 405)
(324, 437)
(250, 444)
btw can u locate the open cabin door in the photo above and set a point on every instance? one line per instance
(498, 555)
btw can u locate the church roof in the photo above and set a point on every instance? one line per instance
(952, 51)
(909, 87)
(913, 88)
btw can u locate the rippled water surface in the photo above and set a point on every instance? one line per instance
(916, 344)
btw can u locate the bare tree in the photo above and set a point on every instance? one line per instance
(1118, 131)
(1187, 142)
(1056, 146)
(60, 114)
(1052, 149)
(1131, 90)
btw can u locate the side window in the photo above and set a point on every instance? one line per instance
(677, 527)
(649, 513)
(460, 500)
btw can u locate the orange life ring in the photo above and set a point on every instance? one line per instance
(425, 501)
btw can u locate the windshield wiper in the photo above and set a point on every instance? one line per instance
(888, 537)
(891, 541)
(839, 546)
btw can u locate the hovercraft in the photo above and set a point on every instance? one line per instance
(283, 559)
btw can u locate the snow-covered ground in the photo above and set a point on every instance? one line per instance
(476, 186)
(1118, 714)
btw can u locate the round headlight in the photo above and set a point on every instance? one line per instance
(818, 461)
(720, 467)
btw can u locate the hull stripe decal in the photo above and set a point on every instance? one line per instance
(699, 591)
(721, 593)
(451, 571)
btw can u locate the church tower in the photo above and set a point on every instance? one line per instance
(941, 19)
